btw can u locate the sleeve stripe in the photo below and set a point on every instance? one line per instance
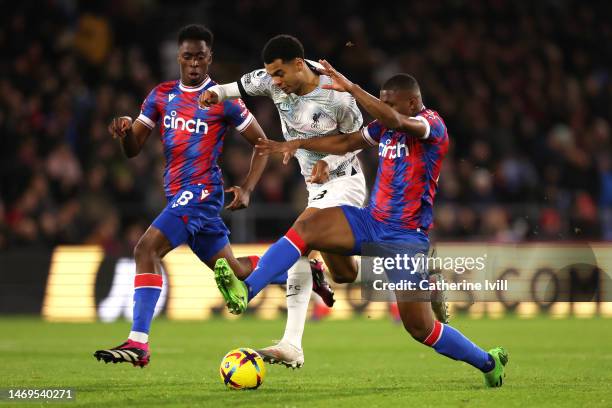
(243, 92)
(366, 135)
(146, 121)
(245, 124)
(422, 119)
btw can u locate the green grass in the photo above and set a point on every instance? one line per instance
(352, 363)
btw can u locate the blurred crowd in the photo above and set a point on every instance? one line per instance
(524, 88)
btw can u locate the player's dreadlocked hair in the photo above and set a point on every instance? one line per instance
(401, 82)
(196, 32)
(283, 46)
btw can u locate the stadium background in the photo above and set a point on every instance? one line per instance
(524, 87)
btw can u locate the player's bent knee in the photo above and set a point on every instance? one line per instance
(139, 250)
(144, 250)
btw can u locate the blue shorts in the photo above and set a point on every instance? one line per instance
(192, 216)
(366, 229)
(374, 239)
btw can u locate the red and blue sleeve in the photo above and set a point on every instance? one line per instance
(436, 129)
(237, 114)
(373, 132)
(149, 111)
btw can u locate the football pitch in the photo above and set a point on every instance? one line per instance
(358, 362)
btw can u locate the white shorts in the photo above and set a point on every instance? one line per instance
(345, 190)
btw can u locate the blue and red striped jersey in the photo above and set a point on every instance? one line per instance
(408, 171)
(192, 137)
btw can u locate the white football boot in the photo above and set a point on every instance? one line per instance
(283, 353)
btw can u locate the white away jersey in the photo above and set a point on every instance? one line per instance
(318, 113)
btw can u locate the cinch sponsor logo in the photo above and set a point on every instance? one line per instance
(392, 151)
(192, 126)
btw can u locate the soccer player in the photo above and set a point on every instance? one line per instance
(412, 141)
(306, 110)
(192, 138)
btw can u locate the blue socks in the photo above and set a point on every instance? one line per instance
(147, 290)
(281, 279)
(448, 341)
(275, 263)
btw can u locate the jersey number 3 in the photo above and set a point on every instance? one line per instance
(320, 195)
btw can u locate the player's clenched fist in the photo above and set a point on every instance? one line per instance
(208, 98)
(120, 126)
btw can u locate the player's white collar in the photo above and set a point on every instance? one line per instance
(196, 88)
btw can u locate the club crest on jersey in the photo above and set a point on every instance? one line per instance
(315, 120)
(392, 151)
(173, 121)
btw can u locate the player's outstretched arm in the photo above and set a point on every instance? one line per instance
(242, 193)
(219, 93)
(256, 83)
(334, 144)
(387, 116)
(132, 135)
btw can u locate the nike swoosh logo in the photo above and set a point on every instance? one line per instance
(292, 294)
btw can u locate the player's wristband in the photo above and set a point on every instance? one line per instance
(226, 91)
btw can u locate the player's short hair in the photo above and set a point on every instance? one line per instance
(401, 82)
(196, 32)
(283, 46)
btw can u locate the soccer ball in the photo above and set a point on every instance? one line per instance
(242, 368)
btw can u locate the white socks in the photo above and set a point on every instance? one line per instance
(299, 289)
(139, 337)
